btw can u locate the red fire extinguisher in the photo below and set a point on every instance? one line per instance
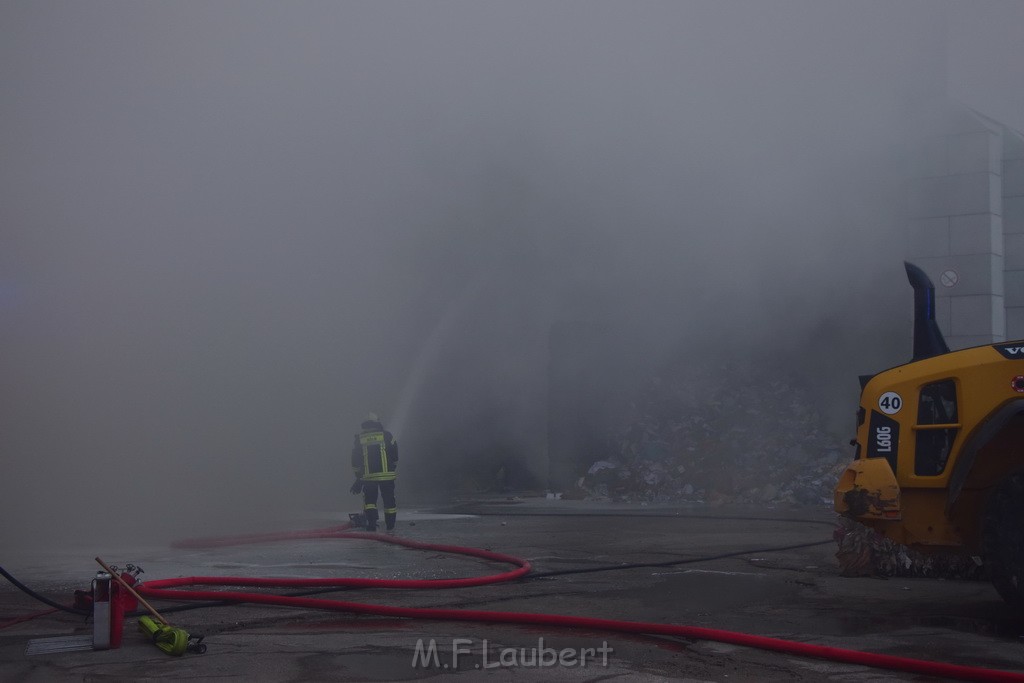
(122, 602)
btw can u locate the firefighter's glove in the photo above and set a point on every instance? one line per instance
(357, 487)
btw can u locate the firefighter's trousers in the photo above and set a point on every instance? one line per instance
(387, 493)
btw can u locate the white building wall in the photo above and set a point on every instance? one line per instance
(956, 230)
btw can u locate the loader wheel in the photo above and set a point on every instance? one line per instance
(1003, 539)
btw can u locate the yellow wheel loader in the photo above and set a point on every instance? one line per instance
(939, 461)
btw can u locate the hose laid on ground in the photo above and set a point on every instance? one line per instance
(147, 588)
(26, 617)
(170, 589)
(41, 598)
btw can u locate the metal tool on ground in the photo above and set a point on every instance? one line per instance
(57, 644)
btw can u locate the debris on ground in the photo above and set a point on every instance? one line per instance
(720, 434)
(865, 552)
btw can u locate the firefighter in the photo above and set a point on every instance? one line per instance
(374, 461)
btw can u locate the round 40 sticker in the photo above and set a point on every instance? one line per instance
(890, 403)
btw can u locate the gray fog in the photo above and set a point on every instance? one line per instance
(228, 230)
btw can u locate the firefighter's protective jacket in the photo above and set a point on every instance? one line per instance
(374, 453)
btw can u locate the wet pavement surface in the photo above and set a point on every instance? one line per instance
(765, 572)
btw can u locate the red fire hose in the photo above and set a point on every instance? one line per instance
(170, 589)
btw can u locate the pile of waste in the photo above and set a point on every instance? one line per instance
(719, 433)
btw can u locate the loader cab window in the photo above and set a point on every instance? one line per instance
(937, 426)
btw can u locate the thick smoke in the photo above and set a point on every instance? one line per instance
(232, 229)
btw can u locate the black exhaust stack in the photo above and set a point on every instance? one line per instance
(928, 339)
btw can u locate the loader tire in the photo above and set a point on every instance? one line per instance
(1003, 539)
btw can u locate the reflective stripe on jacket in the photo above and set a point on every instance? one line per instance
(377, 466)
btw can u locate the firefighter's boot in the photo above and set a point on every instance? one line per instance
(371, 518)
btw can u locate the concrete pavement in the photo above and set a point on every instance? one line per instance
(731, 575)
